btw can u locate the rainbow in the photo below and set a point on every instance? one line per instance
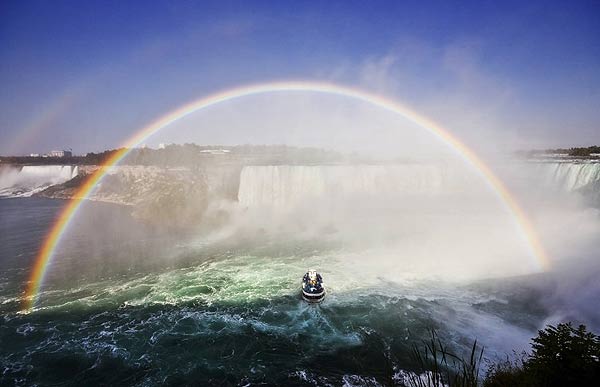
(52, 111)
(53, 238)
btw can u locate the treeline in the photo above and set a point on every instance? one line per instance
(194, 155)
(579, 152)
(561, 355)
(88, 159)
(573, 152)
(584, 151)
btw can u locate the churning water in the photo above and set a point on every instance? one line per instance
(152, 308)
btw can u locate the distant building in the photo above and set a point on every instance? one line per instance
(34, 155)
(60, 153)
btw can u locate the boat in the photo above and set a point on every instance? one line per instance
(313, 289)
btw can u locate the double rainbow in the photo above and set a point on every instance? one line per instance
(53, 238)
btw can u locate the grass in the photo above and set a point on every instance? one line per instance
(440, 367)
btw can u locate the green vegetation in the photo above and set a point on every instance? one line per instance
(561, 356)
(439, 366)
(584, 152)
(577, 152)
(89, 159)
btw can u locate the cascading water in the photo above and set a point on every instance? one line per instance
(572, 176)
(29, 179)
(284, 185)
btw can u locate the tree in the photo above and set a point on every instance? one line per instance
(561, 356)
(565, 356)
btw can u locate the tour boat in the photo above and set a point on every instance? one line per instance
(312, 287)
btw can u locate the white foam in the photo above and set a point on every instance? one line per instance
(30, 179)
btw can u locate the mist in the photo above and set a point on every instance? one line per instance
(461, 217)
(405, 215)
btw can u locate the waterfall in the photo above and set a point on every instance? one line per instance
(27, 180)
(572, 176)
(284, 184)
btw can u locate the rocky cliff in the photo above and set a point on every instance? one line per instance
(177, 197)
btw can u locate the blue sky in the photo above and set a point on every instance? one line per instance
(86, 75)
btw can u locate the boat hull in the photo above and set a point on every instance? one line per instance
(313, 297)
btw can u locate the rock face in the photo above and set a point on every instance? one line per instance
(172, 201)
(172, 198)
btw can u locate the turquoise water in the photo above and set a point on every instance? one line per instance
(145, 308)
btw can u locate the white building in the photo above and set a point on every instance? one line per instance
(60, 153)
